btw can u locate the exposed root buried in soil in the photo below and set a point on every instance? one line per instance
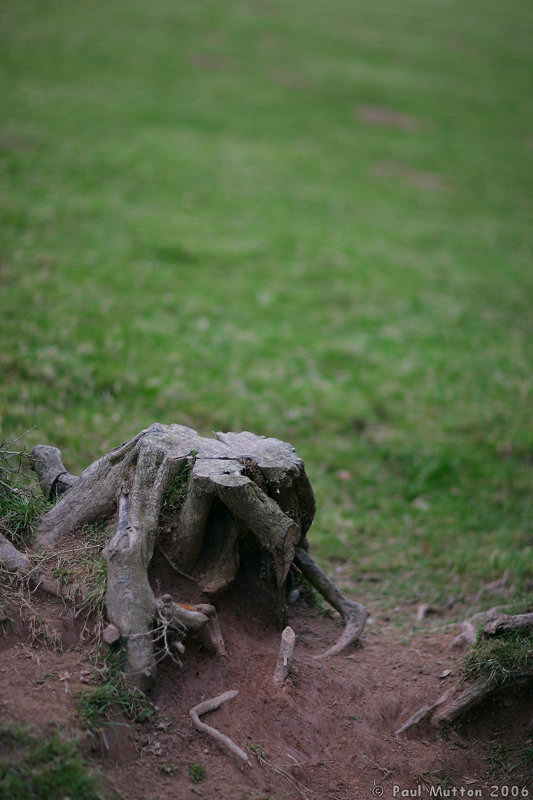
(213, 705)
(285, 655)
(462, 697)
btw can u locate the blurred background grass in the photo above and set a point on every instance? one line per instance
(309, 220)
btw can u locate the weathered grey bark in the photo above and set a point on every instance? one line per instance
(190, 527)
(503, 623)
(466, 699)
(18, 564)
(53, 478)
(239, 485)
(129, 597)
(11, 558)
(285, 655)
(354, 614)
(424, 713)
(461, 698)
(92, 496)
(471, 696)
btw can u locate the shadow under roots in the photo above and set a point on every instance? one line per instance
(252, 594)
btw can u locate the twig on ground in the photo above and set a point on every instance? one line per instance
(269, 766)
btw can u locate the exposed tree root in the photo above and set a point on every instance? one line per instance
(354, 614)
(461, 698)
(503, 623)
(212, 705)
(11, 558)
(421, 715)
(53, 478)
(466, 636)
(458, 700)
(20, 566)
(285, 655)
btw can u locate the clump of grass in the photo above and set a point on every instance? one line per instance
(20, 508)
(196, 772)
(513, 759)
(20, 505)
(112, 692)
(95, 587)
(18, 609)
(169, 768)
(175, 494)
(34, 767)
(500, 658)
(257, 750)
(94, 707)
(84, 569)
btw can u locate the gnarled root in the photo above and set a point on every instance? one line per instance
(19, 565)
(459, 700)
(200, 619)
(53, 478)
(212, 705)
(11, 558)
(354, 615)
(503, 623)
(462, 698)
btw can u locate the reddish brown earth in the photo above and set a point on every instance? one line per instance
(328, 734)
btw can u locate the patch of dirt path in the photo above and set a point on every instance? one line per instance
(327, 734)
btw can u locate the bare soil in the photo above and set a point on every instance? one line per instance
(328, 733)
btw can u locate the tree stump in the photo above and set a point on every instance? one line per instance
(202, 500)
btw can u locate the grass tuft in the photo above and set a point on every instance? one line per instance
(499, 658)
(176, 492)
(196, 772)
(35, 767)
(82, 569)
(112, 693)
(513, 759)
(21, 504)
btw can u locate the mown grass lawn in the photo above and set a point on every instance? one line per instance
(311, 220)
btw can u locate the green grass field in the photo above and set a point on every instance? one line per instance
(311, 220)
